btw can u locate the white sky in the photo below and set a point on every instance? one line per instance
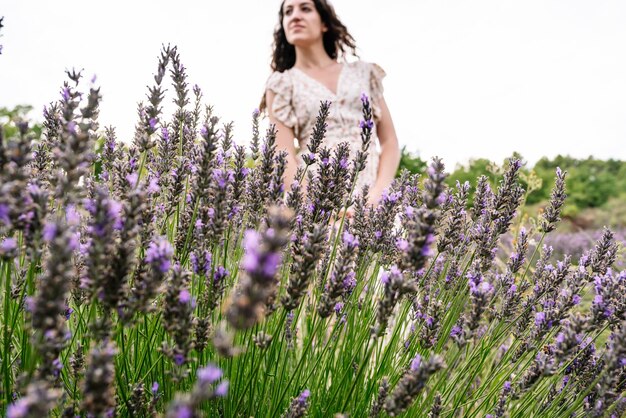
(465, 79)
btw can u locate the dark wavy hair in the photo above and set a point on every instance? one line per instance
(337, 40)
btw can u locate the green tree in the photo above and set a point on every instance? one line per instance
(412, 162)
(10, 118)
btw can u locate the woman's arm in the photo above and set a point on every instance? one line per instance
(284, 141)
(389, 153)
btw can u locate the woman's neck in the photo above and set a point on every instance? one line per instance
(312, 57)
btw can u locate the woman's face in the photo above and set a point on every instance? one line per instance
(302, 23)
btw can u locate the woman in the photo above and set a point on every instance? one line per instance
(307, 45)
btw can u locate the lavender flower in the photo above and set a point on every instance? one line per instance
(209, 374)
(307, 250)
(420, 222)
(159, 254)
(299, 405)
(208, 386)
(411, 384)
(8, 248)
(500, 410)
(367, 127)
(99, 387)
(49, 301)
(395, 286)
(456, 219)
(435, 409)
(254, 144)
(611, 378)
(317, 134)
(261, 263)
(40, 399)
(339, 284)
(177, 314)
(383, 391)
(604, 253)
(552, 214)
(481, 292)
(147, 283)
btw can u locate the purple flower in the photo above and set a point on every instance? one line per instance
(49, 232)
(184, 296)
(304, 396)
(338, 307)
(132, 179)
(71, 127)
(18, 409)
(223, 177)
(152, 122)
(253, 261)
(251, 239)
(402, 244)
(8, 245)
(179, 359)
(369, 124)
(159, 254)
(71, 215)
(114, 211)
(68, 313)
(384, 278)
(209, 374)
(560, 338)
(349, 283)
(391, 198)
(540, 318)
(153, 186)
(155, 388)
(222, 389)
(416, 362)
(220, 274)
(183, 411)
(65, 93)
(4, 214)
(350, 239)
(456, 331)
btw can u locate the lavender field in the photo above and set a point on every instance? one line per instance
(174, 275)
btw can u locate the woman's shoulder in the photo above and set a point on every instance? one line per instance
(362, 64)
(279, 81)
(368, 68)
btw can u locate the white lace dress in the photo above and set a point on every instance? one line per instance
(297, 100)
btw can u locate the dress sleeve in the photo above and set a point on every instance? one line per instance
(376, 88)
(282, 106)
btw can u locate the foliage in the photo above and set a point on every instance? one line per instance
(591, 182)
(411, 162)
(12, 119)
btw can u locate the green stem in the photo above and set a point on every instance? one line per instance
(6, 371)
